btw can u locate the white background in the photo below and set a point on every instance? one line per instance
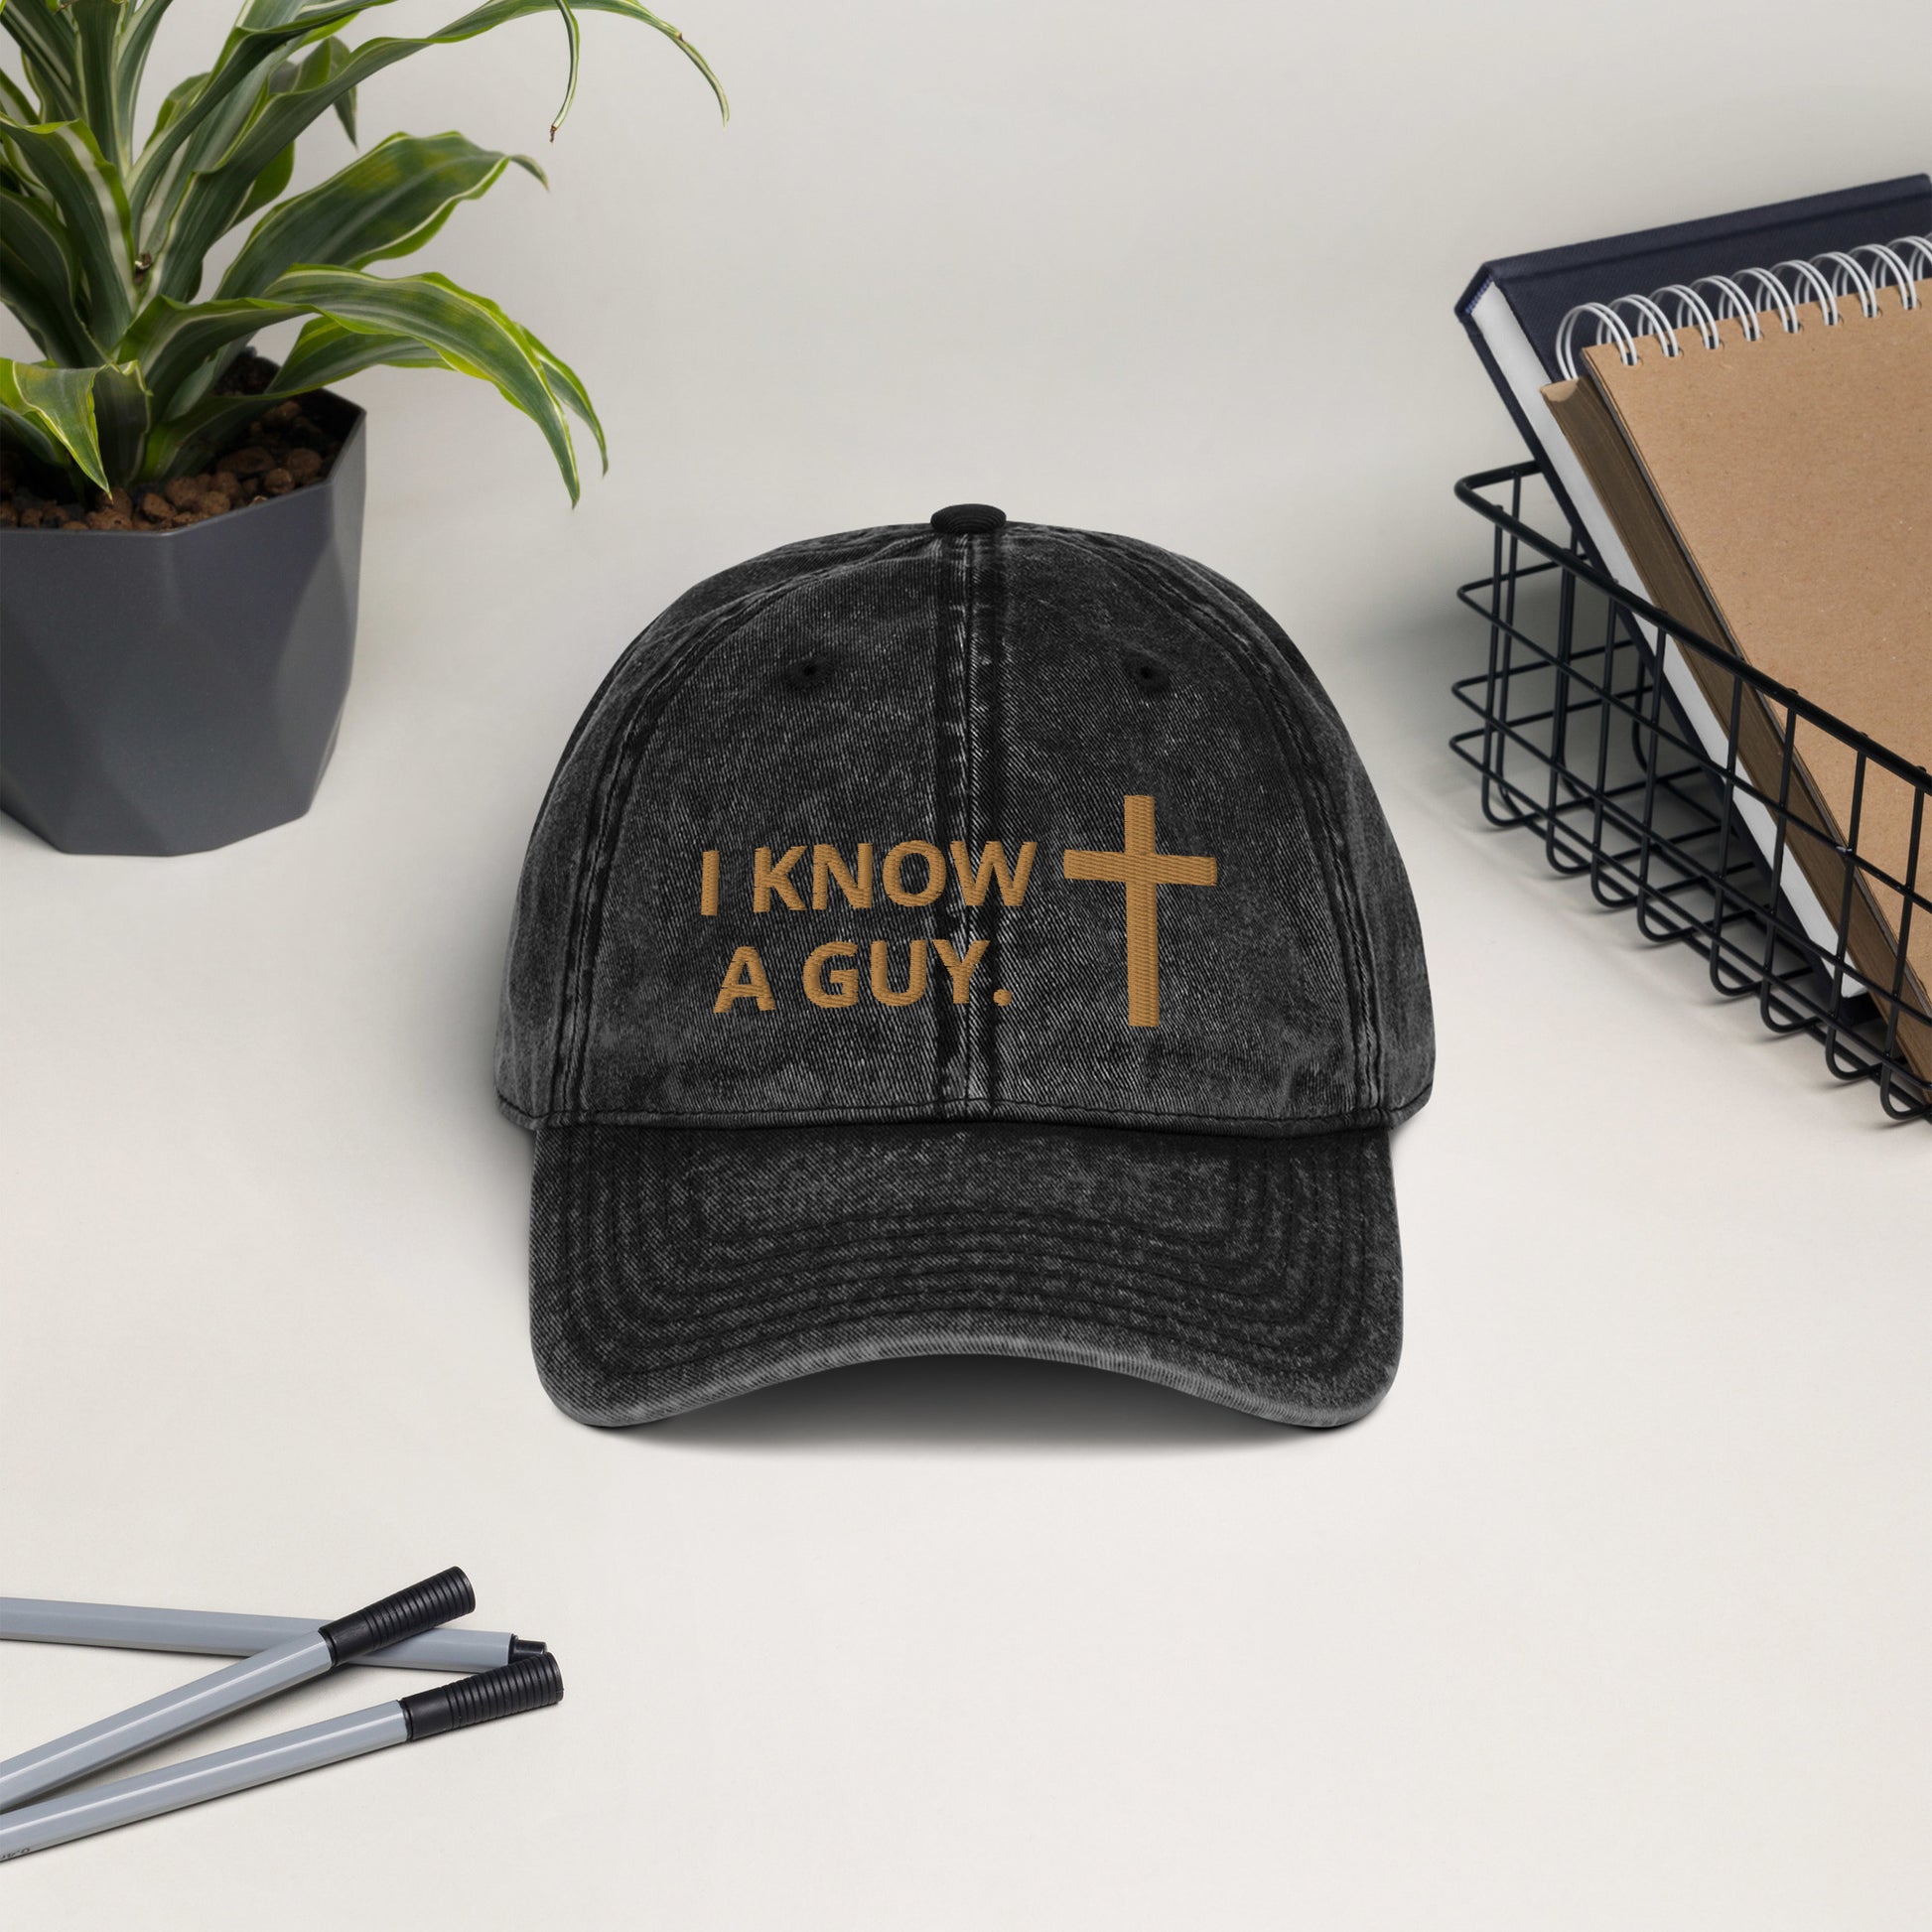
(1613, 1614)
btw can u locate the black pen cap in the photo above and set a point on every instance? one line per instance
(422, 1606)
(526, 1685)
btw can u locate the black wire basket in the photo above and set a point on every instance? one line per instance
(1587, 735)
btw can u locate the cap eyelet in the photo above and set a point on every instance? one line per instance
(810, 673)
(1147, 675)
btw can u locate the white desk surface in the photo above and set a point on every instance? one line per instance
(1612, 1615)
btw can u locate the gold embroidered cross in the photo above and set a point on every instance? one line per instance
(1141, 869)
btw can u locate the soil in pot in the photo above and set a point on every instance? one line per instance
(284, 449)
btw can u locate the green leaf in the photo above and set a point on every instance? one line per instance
(385, 204)
(96, 30)
(24, 433)
(428, 323)
(64, 158)
(45, 36)
(37, 281)
(60, 405)
(570, 88)
(141, 19)
(212, 202)
(458, 326)
(685, 47)
(178, 97)
(13, 102)
(122, 414)
(295, 18)
(207, 123)
(569, 392)
(184, 192)
(174, 344)
(326, 352)
(286, 115)
(269, 183)
(202, 121)
(419, 322)
(191, 440)
(557, 373)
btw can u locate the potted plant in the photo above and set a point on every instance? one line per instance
(180, 520)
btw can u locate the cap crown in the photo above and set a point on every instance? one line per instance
(1035, 824)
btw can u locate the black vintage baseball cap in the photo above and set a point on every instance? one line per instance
(967, 937)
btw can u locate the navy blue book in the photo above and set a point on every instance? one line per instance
(1514, 307)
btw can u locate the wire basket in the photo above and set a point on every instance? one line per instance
(1585, 736)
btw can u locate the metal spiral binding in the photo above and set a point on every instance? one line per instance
(1824, 279)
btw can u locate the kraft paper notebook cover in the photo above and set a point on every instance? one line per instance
(1513, 309)
(1776, 494)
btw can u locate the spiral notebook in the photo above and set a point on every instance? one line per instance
(1512, 310)
(1763, 449)
(1513, 305)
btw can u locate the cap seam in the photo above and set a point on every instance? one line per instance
(951, 753)
(968, 790)
(911, 1113)
(896, 1256)
(743, 1337)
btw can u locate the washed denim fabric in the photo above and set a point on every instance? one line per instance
(1159, 1147)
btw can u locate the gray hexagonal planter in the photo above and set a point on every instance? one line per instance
(168, 691)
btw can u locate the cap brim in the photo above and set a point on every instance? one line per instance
(673, 1267)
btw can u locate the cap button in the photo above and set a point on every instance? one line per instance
(968, 519)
